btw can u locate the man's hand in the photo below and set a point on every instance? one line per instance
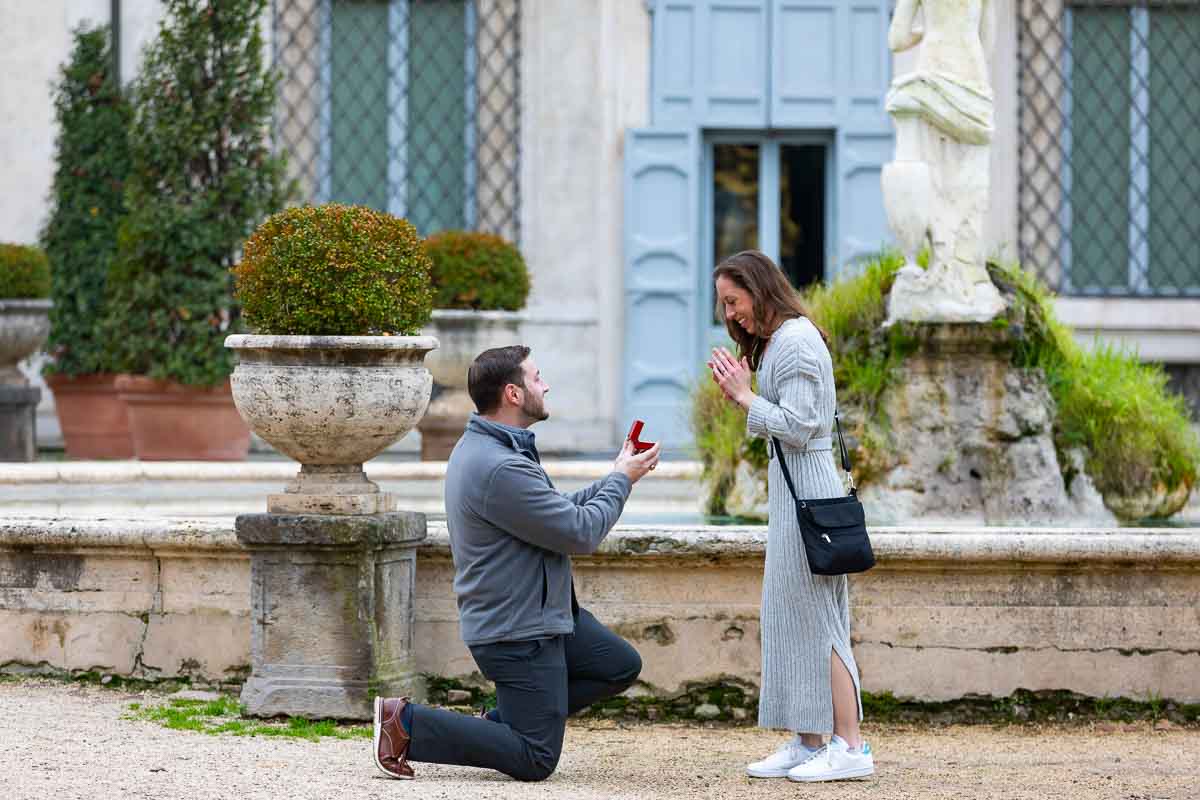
(635, 465)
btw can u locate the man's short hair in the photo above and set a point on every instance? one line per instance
(491, 371)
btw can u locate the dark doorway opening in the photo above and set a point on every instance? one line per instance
(802, 212)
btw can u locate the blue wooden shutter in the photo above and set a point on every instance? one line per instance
(862, 226)
(710, 63)
(661, 281)
(830, 63)
(805, 73)
(830, 68)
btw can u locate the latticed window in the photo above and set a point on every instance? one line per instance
(1110, 145)
(408, 106)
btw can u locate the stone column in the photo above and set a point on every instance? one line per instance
(332, 611)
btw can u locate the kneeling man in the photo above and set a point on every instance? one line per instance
(512, 534)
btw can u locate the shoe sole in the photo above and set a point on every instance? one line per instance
(841, 775)
(766, 773)
(378, 725)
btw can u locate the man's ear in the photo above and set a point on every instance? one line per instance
(512, 397)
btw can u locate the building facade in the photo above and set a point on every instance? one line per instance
(628, 145)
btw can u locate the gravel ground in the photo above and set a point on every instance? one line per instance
(63, 741)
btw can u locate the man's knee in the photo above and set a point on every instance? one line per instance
(536, 771)
(539, 766)
(628, 668)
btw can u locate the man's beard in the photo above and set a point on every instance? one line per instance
(535, 410)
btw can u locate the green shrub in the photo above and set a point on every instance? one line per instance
(24, 273)
(866, 358)
(334, 270)
(851, 312)
(1135, 433)
(479, 271)
(86, 203)
(203, 177)
(719, 434)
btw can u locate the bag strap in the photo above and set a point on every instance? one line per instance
(787, 475)
(842, 446)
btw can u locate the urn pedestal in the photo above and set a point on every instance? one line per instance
(332, 612)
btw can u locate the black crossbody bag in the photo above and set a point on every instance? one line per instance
(833, 529)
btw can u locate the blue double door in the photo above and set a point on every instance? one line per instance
(768, 132)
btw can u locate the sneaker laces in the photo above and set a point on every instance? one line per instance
(823, 750)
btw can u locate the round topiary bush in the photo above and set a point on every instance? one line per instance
(334, 270)
(477, 271)
(24, 273)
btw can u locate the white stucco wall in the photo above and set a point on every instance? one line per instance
(585, 79)
(35, 41)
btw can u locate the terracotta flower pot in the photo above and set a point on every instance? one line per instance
(174, 422)
(92, 415)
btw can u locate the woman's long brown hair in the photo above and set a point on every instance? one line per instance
(774, 300)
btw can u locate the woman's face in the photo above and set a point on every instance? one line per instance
(737, 304)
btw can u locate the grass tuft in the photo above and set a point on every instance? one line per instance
(1135, 432)
(227, 716)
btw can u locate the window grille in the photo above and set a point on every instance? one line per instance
(1109, 150)
(407, 106)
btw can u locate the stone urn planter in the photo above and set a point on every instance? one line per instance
(24, 326)
(170, 421)
(332, 563)
(93, 417)
(1153, 502)
(462, 335)
(331, 403)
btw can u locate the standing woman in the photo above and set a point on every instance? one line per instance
(809, 678)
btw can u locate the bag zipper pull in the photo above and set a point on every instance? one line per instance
(825, 536)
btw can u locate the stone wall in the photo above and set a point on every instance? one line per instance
(148, 599)
(948, 613)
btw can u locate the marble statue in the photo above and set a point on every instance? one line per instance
(935, 191)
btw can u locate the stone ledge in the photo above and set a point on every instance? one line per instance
(187, 536)
(325, 530)
(938, 546)
(88, 472)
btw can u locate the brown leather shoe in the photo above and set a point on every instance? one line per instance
(391, 740)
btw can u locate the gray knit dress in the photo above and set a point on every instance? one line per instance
(804, 616)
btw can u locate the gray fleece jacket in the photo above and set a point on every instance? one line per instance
(512, 534)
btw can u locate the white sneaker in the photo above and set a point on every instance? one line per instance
(778, 764)
(834, 762)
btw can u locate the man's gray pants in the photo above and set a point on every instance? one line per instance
(539, 683)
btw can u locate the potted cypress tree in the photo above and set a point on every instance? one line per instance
(80, 237)
(202, 177)
(333, 374)
(480, 283)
